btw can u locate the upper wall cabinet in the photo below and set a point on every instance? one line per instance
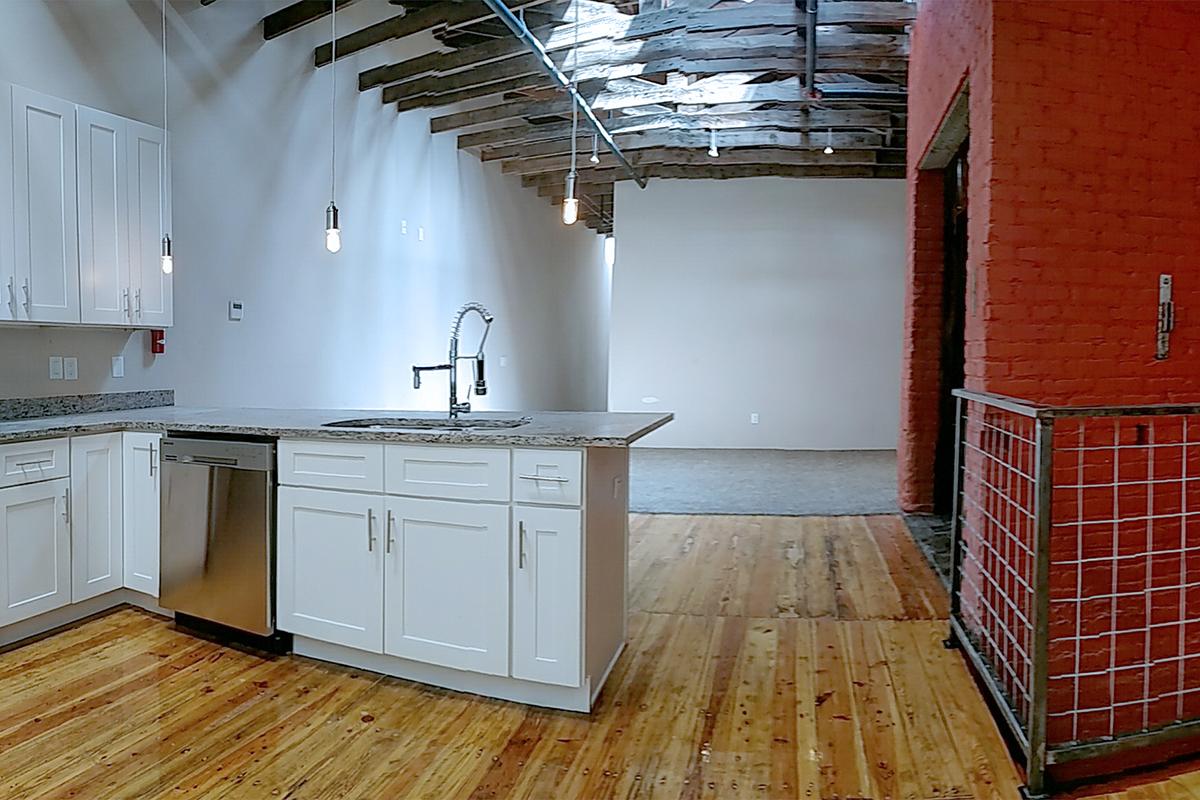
(46, 214)
(82, 215)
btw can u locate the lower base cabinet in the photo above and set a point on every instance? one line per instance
(330, 567)
(141, 489)
(547, 598)
(97, 521)
(446, 584)
(35, 538)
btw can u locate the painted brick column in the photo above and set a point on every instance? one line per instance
(920, 372)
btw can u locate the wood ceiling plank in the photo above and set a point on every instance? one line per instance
(289, 18)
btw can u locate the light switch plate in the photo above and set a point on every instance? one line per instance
(71, 368)
(118, 366)
(236, 310)
(56, 368)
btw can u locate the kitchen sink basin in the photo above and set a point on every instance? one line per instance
(430, 424)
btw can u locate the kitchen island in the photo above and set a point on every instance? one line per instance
(486, 560)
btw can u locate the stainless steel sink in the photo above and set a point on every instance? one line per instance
(429, 424)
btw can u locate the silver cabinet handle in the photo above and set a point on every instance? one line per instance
(28, 301)
(521, 545)
(67, 506)
(128, 305)
(39, 465)
(153, 459)
(12, 296)
(551, 478)
(371, 531)
(137, 294)
(391, 524)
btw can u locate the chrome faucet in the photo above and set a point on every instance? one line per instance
(480, 386)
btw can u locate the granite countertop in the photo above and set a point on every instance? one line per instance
(545, 429)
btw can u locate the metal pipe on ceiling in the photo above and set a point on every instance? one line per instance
(518, 28)
(810, 49)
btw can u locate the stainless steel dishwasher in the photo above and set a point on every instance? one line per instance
(218, 534)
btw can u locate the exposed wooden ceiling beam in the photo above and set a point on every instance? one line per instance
(289, 18)
(501, 112)
(729, 88)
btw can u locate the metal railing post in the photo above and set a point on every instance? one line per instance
(955, 522)
(1035, 763)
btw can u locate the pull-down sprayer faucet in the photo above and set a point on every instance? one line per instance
(480, 381)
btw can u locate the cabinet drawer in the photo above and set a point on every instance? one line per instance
(30, 462)
(356, 466)
(453, 473)
(554, 477)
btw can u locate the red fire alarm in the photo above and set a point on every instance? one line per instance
(158, 342)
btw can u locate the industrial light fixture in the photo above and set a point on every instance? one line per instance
(570, 208)
(712, 143)
(595, 159)
(333, 231)
(828, 142)
(168, 259)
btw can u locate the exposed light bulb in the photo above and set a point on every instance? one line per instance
(712, 144)
(168, 261)
(595, 159)
(828, 150)
(610, 251)
(828, 142)
(333, 232)
(570, 211)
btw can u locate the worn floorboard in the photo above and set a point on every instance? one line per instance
(769, 657)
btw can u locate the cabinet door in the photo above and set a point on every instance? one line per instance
(97, 554)
(46, 213)
(149, 219)
(103, 219)
(9, 291)
(446, 584)
(35, 574)
(141, 488)
(547, 595)
(330, 567)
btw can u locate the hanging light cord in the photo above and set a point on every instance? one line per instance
(167, 143)
(333, 105)
(575, 86)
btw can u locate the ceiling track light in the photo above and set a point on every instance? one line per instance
(333, 230)
(828, 142)
(712, 143)
(167, 258)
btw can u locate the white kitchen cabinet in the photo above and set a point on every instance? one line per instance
(330, 566)
(141, 482)
(45, 208)
(35, 573)
(8, 278)
(104, 258)
(97, 535)
(446, 583)
(149, 218)
(547, 595)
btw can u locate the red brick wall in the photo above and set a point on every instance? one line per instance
(1085, 185)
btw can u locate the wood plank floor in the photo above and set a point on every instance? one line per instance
(768, 658)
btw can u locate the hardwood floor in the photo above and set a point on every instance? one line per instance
(768, 658)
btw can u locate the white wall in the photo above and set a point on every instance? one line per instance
(776, 296)
(250, 152)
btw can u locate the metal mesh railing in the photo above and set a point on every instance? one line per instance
(1076, 587)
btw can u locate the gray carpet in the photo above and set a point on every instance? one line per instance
(775, 482)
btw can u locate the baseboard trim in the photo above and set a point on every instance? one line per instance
(19, 632)
(495, 686)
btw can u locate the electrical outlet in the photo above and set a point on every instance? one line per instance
(421, 233)
(56, 368)
(404, 227)
(754, 418)
(71, 368)
(504, 361)
(118, 366)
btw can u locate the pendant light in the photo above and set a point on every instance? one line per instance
(595, 159)
(828, 142)
(570, 208)
(712, 143)
(168, 259)
(333, 230)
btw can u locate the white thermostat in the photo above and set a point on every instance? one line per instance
(235, 310)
